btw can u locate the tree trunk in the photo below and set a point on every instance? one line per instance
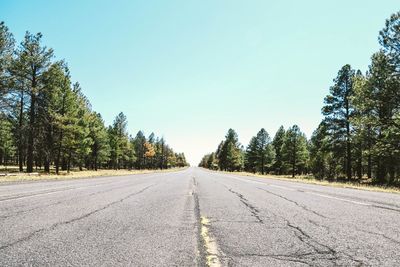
(348, 144)
(20, 144)
(348, 150)
(59, 154)
(29, 159)
(294, 159)
(262, 164)
(68, 162)
(380, 172)
(348, 161)
(369, 167)
(64, 163)
(47, 165)
(359, 163)
(293, 169)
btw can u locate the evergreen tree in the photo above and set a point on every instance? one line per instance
(7, 146)
(6, 54)
(294, 151)
(277, 144)
(230, 155)
(83, 143)
(259, 153)
(32, 61)
(320, 154)
(100, 149)
(338, 112)
(119, 142)
(389, 38)
(378, 101)
(251, 156)
(140, 151)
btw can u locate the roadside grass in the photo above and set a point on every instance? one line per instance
(311, 180)
(74, 174)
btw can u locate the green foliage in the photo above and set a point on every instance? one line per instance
(100, 148)
(230, 155)
(389, 38)
(260, 155)
(209, 161)
(277, 144)
(359, 136)
(338, 111)
(321, 156)
(139, 144)
(29, 67)
(121, 150)
(6, 52)
(378, 100)
(47, 121)
(294, 151)
(7, 145)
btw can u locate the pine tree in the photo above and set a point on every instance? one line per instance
(251, 156)
(378, 100)
(62, 114)
(320, 154)
(230, 155)
(277, 144)
(389, 38)
(338, 112)
(259, 153)
(265, 151)
(100, 149)
(83, 143)
(294, 151)
(120, 146)
(7, 145)
(140, 141)
(6, 53)
(31, 63)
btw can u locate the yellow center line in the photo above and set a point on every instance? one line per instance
(210, 244)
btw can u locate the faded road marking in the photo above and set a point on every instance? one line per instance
(303, 191)
(210, 244)
(341, 199)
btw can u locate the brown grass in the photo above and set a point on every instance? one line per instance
(21, 177)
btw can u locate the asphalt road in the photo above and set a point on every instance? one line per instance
(196, 217)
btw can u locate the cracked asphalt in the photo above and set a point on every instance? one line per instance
(156, 220)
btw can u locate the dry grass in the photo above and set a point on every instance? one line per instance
(21, 177)
(312, 180)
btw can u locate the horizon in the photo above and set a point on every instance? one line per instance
(190, 71)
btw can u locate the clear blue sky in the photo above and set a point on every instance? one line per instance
(189, 70)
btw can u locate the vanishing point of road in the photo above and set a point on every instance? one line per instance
(195, 217)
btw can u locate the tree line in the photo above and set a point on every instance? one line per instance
(359, 136)
(286, 153)
(47, 122)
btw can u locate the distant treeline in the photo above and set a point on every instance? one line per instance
(46, 121)
(358, 138)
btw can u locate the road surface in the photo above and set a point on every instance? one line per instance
(196, 217)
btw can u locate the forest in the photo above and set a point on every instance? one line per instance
(47, 124)
(357, 140)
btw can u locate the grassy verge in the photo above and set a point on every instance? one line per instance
(22, 177)
(312, 180)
